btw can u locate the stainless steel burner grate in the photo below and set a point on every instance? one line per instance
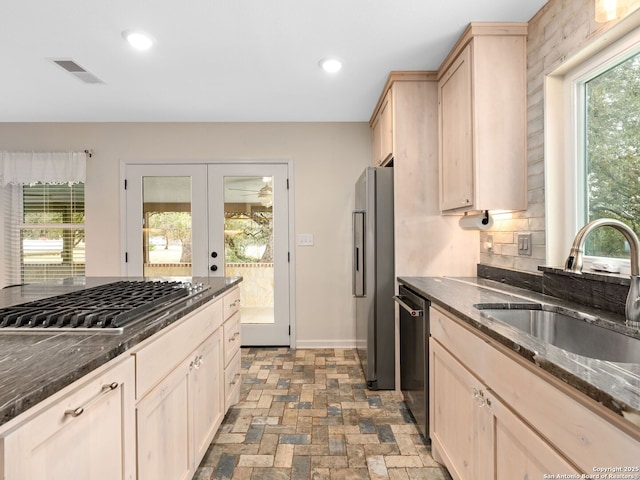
(109, 306)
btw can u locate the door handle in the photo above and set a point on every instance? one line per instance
(213, 268)
(413, 312)
(359, 246)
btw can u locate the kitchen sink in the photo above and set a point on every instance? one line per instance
(556, 326)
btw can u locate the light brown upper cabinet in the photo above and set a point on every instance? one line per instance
(482, 120)
(399, 118)
(382, 132)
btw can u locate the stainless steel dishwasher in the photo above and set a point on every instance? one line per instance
(414, 355)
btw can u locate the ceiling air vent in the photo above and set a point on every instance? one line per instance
(77, 71)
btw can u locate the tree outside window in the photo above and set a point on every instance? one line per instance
(612, 150)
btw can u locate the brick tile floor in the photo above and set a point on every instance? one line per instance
(307, 414)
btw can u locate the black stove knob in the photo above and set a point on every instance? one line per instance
(214, 254)
(213, 268)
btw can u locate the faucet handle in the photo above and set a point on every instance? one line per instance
(574, 261)
(569, 263)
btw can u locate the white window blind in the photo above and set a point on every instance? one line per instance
(44, 215)
(45, 235)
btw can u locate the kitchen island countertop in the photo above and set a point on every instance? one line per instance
(33, 366)
(614, 385)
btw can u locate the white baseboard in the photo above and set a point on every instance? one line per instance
(326, 343)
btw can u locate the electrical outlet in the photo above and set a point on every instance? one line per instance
(524, 244)
(486, 244)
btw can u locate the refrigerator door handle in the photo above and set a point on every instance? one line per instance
(358, 268)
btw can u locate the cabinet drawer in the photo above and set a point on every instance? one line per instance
(231, 302)
(461, 342)
(172, 345)
(231, 337)
(233, 380)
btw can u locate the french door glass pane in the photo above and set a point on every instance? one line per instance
(166, 235)
(248, 244)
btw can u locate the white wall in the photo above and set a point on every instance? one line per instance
(328, 158)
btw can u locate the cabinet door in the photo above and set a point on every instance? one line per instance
(386, 129)
(87, 434)
(375, 141)
(456, 134)
(459, 427)
(519, 451)
(206, 376)
(164, 446)
(382, 132)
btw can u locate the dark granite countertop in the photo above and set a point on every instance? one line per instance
(34, 366)
(614, 385)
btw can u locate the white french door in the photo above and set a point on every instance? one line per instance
(200, 220)
(250, 205)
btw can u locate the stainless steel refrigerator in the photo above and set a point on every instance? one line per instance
(373, 276)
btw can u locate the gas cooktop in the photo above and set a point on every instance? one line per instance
(106, 308)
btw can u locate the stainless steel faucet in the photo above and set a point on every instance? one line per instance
(574, 262)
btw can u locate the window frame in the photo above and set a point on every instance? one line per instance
(574, 202)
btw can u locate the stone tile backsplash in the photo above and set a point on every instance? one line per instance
(604, 292)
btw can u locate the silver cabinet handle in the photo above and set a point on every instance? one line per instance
(412, 312)
(197, 362)
(76, 412)
(235, 379)
(235, 335)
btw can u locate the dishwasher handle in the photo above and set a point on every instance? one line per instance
(413, 312)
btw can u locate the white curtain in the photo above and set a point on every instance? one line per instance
(25, 168)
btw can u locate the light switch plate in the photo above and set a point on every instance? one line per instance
(305, 240)
(524, 244)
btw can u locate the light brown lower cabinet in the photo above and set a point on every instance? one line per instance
(207, 386)
(232, 342)
(162, 420)
(177, 420)
(180, 409)
(85, 431)
(494, 416)
(476, 436)
(232, 379)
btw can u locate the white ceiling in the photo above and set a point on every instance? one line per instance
(223, 60)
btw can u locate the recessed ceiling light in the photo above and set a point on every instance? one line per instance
(138, 40)
(330, 65)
